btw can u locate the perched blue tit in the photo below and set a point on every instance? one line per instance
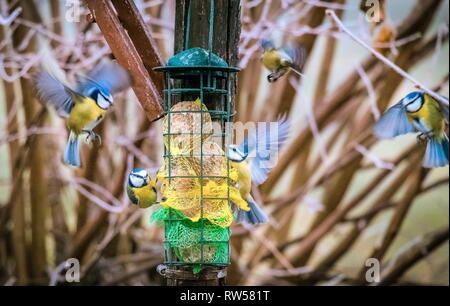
(141, 188)
(418, 112)
(263, 144)
(85, 106)
(281, 60)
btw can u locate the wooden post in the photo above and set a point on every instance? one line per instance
(225, 44)
(209, 276)
(227, 29)
(133, 47)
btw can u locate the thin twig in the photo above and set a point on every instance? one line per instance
(370, 90)
(410, 254)
(378, 162)
(7, 20)
(386, 61)
(271, 247)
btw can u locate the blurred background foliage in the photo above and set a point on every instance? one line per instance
(337, 195)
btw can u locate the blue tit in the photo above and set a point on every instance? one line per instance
(419, 112)
(85, 106)
(280, 61)
(141, 188)
(262, 145)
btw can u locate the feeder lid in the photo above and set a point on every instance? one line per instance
(196, 57)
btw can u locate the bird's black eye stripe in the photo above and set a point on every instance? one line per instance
(154, 189)
(91, 92)
(411, 102)
(103, 95)
(106, 98)
(418, 97)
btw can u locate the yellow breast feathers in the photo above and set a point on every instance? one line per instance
(431, 114)
(85, 112)
(244, 178)
(272, 60)
(145, 195)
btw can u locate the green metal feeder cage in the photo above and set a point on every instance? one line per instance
(193, 74)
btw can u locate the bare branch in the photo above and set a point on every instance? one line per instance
(411, 253)
(386, 61)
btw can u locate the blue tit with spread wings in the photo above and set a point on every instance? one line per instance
(253, 159)
(85, 106)
(280, 61)
(419, 112)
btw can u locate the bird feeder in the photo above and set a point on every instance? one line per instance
(196, 179)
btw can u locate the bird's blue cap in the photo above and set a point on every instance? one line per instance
(413, 95)
(136, 170)
(267, 43)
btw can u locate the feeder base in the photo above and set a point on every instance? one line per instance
(183, 276)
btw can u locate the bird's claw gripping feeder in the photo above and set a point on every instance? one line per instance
(196, 178)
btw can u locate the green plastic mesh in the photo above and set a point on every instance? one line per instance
(185, 238)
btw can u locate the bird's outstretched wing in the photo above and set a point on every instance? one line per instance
(394, 122)
(264, 145)
(108, 75)
(296, 54)
(54, 92)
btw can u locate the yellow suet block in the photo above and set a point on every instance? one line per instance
(190, 123)
(198, 186)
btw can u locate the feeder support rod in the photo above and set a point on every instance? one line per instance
(132, 45)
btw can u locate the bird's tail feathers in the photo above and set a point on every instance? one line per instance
(436, 154)
(254, 216)
(72, 152)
